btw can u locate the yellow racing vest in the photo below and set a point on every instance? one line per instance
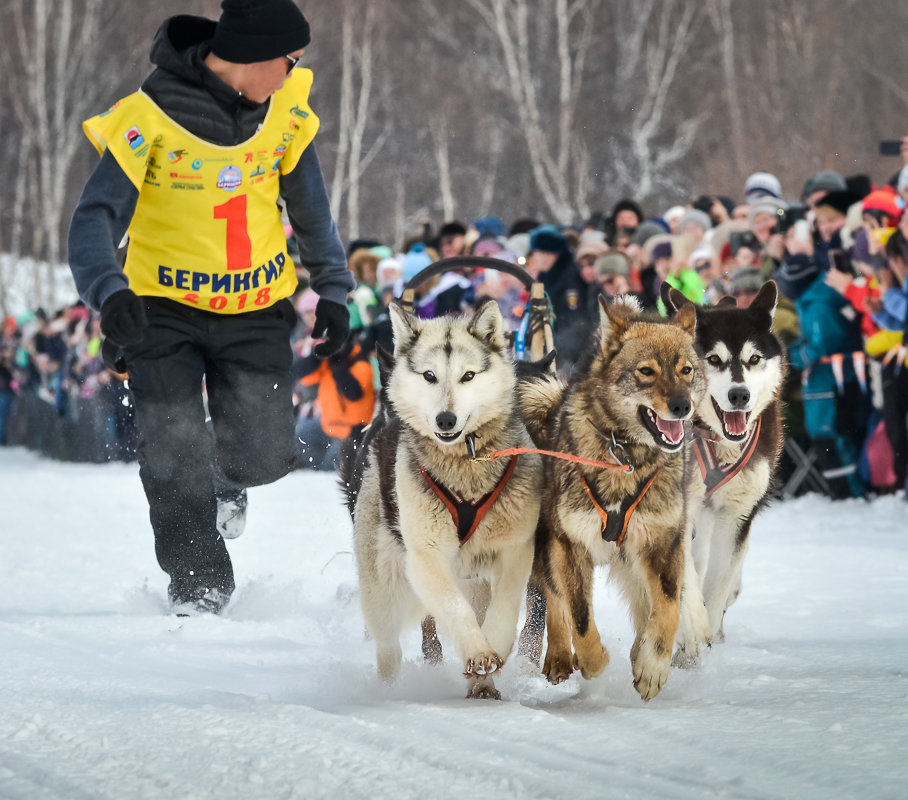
(207, 229)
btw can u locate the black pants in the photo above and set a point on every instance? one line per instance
(895, 413)
(244, 360)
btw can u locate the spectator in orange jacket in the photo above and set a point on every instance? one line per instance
(343, 406)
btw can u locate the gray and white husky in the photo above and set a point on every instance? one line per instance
(737, 443)
(438, 528)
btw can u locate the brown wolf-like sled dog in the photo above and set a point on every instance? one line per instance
(627, 404)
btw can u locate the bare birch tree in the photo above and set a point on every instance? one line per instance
(440, 130)
(356, 110)
(723, 22)
(551, 139)
(653, 45)
(56, 59)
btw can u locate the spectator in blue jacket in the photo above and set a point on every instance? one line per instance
(836, 407)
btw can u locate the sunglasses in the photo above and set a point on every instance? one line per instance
(294, 60)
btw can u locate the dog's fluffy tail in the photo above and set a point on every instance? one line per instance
(539, 399)
(350, 466)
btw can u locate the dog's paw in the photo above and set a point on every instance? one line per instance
(694, 629)
(557, 666)
(592, 663)
(686, 658)
(482, 664)
(388, 659)
(688, 649)
(650, 669)
(482, 689)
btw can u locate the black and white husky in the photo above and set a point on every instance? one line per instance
(737, 443)
(438, 528)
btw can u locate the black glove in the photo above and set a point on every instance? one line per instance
(332, 323)
(123, 319)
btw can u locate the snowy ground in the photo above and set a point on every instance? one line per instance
(104, 695)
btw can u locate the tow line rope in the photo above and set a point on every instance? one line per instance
(513, 451)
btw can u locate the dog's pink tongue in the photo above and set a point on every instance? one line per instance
(671, 429)
(735, 422)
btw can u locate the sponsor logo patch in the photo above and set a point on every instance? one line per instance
(134, 138)
(229, 178)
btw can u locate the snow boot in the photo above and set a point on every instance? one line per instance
(232, 513)
(197, 601)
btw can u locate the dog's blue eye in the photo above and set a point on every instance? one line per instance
(467, 377)
(430, 376)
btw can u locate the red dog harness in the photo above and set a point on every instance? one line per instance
(715, 476)
(614, 526)
(468, 514)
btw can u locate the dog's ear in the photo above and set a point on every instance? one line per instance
(767, 299)
(672, 298)
(686, 318)
(533, 370)
(404, 326)
(487, 324)
(726, 302)
(385, 363)
(547, 363)
(613, 319)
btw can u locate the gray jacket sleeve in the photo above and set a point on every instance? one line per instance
(97, 228)
(321, 249)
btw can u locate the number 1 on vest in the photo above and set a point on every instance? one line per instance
(239, 245)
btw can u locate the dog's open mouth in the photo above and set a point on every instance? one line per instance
(734, 423)
(668, 433)
(448, 438)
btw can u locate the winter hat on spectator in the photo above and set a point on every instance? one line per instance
(859, 185)
(488, 246)
(612, 264)
(452, 228)
(592, 243)
(695, 216)
(702, 252)
(646, 230)
(761, 184)
(628, 205)
(841, 201)
(489, 226)
(250, 31)
(548, 239)
(881, 200)
(518, 244)
(361, 244)
(659, 247)
(522, 225)
(826, 180)
(415, 261)
(389, 270)
(765, 205)
(744, 280)
(675, 212)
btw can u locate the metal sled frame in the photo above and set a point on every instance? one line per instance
(539, 336)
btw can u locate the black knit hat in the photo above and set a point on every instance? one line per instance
(250, 31)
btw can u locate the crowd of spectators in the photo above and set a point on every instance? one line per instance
(838, 252)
